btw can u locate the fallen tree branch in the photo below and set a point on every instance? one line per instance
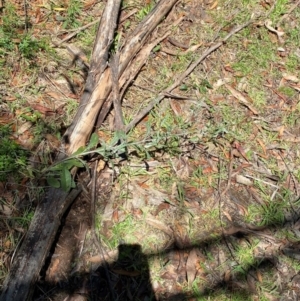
(26, 267)
(99, 60)
(24, 272)
(178, 81)
(80, 130)
(132, 71)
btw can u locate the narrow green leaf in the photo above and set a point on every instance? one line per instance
(79, 163)
(65, 179)
(53, 182)
(70, 163)
(80, 150)
(93, 141)
(156, 48)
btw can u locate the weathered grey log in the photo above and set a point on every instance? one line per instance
(99, 59)
(29, 260)
(26, 267)
(80, 130)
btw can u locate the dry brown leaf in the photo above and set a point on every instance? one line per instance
(259, 276)
(182, 167)
(175, 106)
(138, 213)
(279, 33)
(143, 185)
(101, 165)
(115, 216)
(42, 109)
(6, 118)
(88, 4)
(262, 145)
(161, 207)
(207, 170)
(24, 127)
(239, 96)
(238, 146)
(54, 95)
(159, 225)
(191, 266)
(227, 215)
(290, 77)
(227, 275)
(54, 141)
(214, 5)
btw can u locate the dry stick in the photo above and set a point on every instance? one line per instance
(84, 121)
(94, 236)
(119, 120)
(76, 31)
(130, 73)
(133, 69)
(25, 269)
(105, 36)
(293, 179)
(160, 97)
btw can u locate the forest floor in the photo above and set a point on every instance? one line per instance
(205, 205)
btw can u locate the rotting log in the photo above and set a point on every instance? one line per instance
(25, 270)
(24, 273)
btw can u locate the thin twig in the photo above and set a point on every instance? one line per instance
(96, 239)
(262, 181)
(227, 243)
(229, 173)
(292, 176)
(75, 32)
(178, 81)
(288, 13)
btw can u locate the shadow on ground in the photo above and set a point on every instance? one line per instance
(130, 280)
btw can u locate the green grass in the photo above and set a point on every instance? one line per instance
(13, 159)
(197, 134)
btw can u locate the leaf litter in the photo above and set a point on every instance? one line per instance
(246, 152)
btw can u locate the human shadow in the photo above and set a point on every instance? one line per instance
(130, 275)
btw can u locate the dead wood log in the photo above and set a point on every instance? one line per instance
(26, 267)
(30, 258)
(100, 54)
(80, 130)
